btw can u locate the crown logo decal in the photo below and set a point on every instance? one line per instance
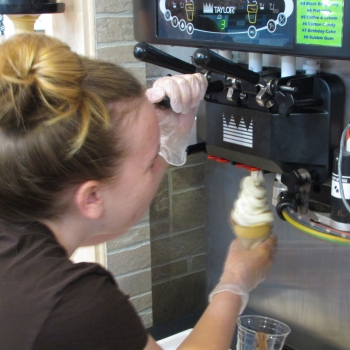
(208, 7)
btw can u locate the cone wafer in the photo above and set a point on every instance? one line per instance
(251, 236)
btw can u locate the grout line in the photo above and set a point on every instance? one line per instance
(171, 278)
(114, 15)
(102, 45)
(145, 312)
(141, 224)
(141, 295)
(172, 234)
(128, 274)
(128, 247)
(178, 259)
(188, 165)
(188, 189)
(189, 263)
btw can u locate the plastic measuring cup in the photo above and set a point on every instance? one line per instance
(261, 333)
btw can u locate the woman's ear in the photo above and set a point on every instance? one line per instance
(89, 200)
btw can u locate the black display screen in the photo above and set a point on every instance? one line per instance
(292, 27)
(262, 22)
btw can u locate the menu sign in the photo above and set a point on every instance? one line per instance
(320, 22)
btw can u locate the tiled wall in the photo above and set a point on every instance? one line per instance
(129, 256)
(178, 239)
(178, 243)
(114, 35)
(129, 259)
(162, 258)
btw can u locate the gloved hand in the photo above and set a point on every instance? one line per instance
(245, 269)
(185, 93)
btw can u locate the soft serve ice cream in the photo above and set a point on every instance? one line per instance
(251, 217)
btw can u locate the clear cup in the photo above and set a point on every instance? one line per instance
(261, 333)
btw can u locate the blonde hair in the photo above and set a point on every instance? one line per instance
(55, 124)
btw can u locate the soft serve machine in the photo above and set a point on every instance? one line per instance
(287, 121)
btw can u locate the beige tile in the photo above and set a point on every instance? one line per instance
(159, 228)
(147, 318)
(198, 262)
(189, 176)
(160, 205)
(112, 6)
(188, 209)
(117, 54)
(110, 29)
(179, 297)
(129, 260)
(178, 246)
(138, 73)
(143, 302)
(134, 235)
(169, 270)
(199, 157)
(153, 70)
(136, 283)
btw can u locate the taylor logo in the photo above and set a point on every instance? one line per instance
(208, 8)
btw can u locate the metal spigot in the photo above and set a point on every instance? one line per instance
(298, 183)
(264, 96)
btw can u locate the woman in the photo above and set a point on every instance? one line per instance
(80, 161)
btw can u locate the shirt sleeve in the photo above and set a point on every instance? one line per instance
(92, 313)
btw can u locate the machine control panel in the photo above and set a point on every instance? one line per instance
(263, 23)
(294, 27)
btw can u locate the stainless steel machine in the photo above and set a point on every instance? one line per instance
(285, 120)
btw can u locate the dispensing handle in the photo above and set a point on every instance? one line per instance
(213, 87)
(150, 54)
(147, 53)
(207, 59)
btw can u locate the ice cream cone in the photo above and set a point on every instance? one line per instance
(251, 236)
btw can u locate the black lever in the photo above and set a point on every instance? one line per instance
(147, 53)
(150, 54)
(287, 101)
(207, 59)
(213, 87)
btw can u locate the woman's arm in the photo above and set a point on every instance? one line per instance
(152, 345)
(243, 271)
(216, 327)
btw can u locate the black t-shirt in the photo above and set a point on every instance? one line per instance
(48, 302)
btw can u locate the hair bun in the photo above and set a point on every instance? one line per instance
(37, 73)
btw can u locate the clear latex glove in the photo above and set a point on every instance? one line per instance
(185, 93)
(245, 269)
